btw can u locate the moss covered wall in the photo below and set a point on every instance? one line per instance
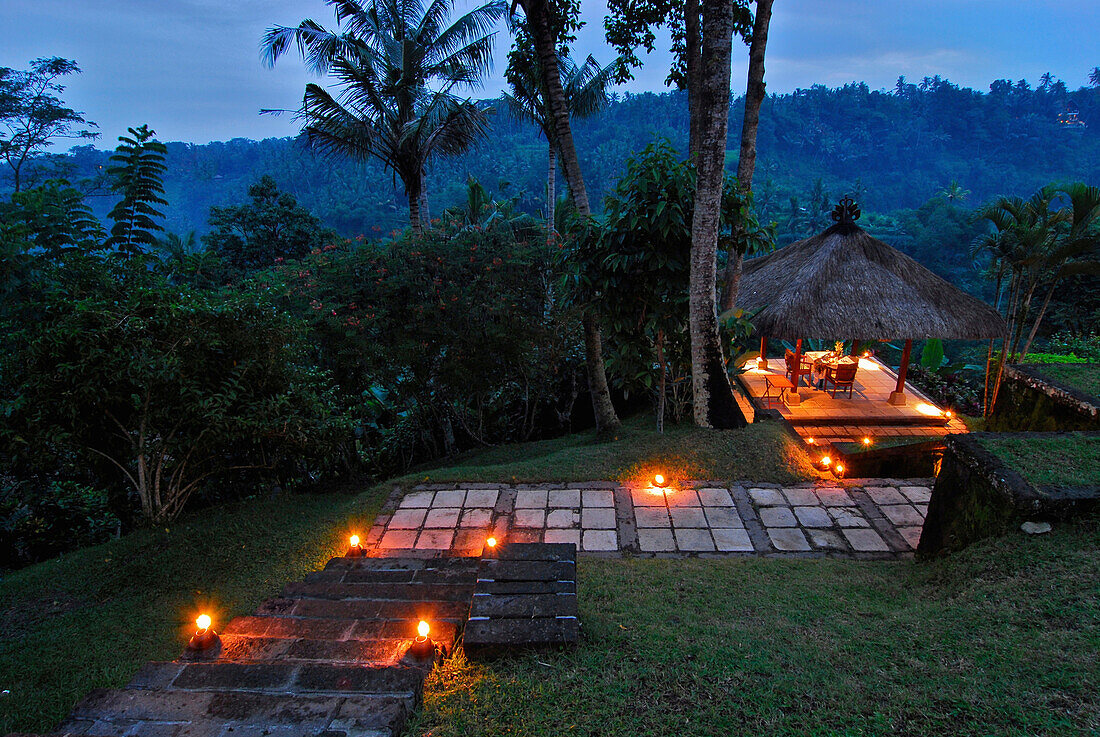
(976, 496)
(1027, 400)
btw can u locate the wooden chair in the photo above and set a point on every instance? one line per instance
(842, 377)
(807, 365)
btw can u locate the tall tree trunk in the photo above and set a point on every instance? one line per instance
(714, 405)
(1042, 313)
(545, 46)
(662, 382)
(746, 163)
(606, 419)
(414, 213)
(694, 69)
(551, 189)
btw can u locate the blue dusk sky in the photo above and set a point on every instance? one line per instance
(191, 69)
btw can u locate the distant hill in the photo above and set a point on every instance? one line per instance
(894, 148)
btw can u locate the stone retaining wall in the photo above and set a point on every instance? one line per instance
(1028, 400)
(977, 495)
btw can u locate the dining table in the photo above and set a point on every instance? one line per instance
(824, 362)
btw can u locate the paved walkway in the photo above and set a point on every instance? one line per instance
(868, 518)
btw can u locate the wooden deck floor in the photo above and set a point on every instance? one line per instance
(866, 414)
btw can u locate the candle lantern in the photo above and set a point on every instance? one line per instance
(422, 646)
(205, 641)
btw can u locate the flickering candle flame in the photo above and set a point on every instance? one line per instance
(491, 542)
(839, 468)
(867, 441)
(422, 628)
(354, 541)
(659, 480)
(810, 441)
(203, 622)
(826, 460)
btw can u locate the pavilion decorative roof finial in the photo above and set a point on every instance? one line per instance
(846, 212)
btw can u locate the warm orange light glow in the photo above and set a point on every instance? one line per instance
(354, 540)
(659, 480)
(948, 414)
(203, 622)
(810, 441)
(867, 354)
(839, 468)
(826, 460)
(491, 542)
(927, 409)
(422, 628)
(867, 441)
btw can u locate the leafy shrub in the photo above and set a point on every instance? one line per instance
(1053, 358)
(446, 341)
(163, 388)
(38, 521)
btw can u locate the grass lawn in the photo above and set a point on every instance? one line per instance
(1002, 639)
(1081, 376)
(91, 618)
(759, 452)
(1069, 459)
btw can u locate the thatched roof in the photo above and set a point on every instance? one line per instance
(844, 284)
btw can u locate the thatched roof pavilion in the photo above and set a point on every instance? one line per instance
(843, 283)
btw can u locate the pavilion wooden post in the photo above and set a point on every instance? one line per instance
(792, 395)
(763, 362)
(897, 397)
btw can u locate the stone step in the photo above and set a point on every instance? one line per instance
(404, 591)
(404, 563)
(366, 575)
(337, 629)
(364, 609)
(141, 713)
(550, 552)
(524, 605)
(486, 635)
(399, 681)
(522, 570)
(244, 648)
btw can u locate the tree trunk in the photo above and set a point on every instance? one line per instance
(606, 419)
(694, 69)
(414, 192)
(551, 190)
(545, 43)
(714, 405)
(545, 46)
(1042, 312)
(746, 163)
(662, 382)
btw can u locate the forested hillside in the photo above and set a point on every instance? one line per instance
(894, 149)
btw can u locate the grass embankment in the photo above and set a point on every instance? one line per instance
(1084, 377)
(1065, 459)
(91, 618)
(1000, 639)
(759, 452)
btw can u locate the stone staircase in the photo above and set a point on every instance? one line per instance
(328, 657)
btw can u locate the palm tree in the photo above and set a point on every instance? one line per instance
(398, 65)
(1094, 77)
(954, 192)
(543, 25)
(1036, 245)
(585, 89)
(746, 164)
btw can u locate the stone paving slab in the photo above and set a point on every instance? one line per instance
(857, 518)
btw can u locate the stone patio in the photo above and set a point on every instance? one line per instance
(857, 518)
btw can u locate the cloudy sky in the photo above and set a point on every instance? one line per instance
(190, 68)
